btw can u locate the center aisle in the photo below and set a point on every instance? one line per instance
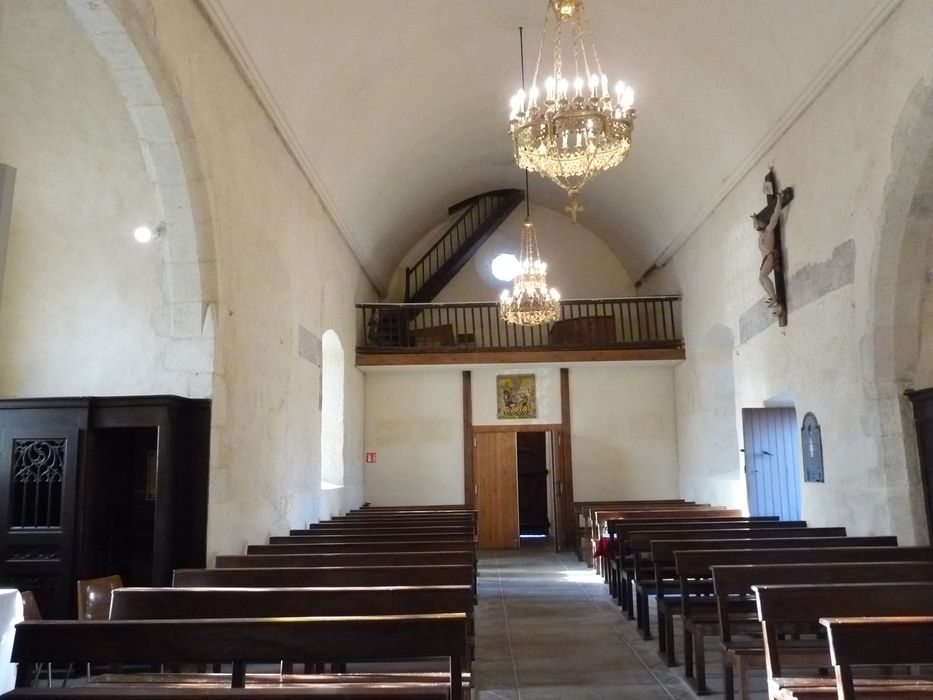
(546, 629)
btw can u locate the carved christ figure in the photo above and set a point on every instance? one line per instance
(767, 226)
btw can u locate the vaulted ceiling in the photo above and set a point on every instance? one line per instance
(398, 108)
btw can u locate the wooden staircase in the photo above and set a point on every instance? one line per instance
(481, 216)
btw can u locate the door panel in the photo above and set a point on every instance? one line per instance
(772, 461)
(496, 493)
(39, 454)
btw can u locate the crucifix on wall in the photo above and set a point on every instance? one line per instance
(767, 224)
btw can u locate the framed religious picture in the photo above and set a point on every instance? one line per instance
(515, 396)
(811, 441)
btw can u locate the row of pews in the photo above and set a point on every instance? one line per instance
(781, 596)
(389, 586)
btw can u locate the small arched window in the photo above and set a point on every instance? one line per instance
(331, 411)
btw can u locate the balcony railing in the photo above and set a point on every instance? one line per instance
(631, 322)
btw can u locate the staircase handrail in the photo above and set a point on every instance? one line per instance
(470, 204)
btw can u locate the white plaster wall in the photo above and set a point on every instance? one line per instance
(838, 156)
(710, 463)
(414, 424)
(82, 301)
(281, 264)
(580, 264)
(624, 433)
(547, 389)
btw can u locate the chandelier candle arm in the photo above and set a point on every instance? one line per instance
(572, 136)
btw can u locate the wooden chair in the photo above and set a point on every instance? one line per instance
(94, 595)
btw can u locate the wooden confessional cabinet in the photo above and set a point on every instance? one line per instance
(98, 486)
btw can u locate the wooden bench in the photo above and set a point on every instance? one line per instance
(780, 606)
(735, 572)
(590, 514)
(274, 601)
(668, 589)
(465, 557)
(336, 576)
(880, 640)
(371, 538)
(643, 578)
(693, 511)
(621, 564)
(320, 691)
(399, 531)
(581, 519)
(259, 640)
(428, 545)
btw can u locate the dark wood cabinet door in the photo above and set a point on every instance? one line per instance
(40, 449)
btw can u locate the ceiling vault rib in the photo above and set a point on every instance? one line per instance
(874, 21)
(230, 40)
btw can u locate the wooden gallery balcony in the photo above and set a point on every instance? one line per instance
(589, 330)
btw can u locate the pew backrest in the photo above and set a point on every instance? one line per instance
(440, 575)
(258, 640)
(733, 582)
(199, 603)
(886, 640)
(807, 603)
(344, 559)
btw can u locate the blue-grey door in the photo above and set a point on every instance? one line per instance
(772, 461)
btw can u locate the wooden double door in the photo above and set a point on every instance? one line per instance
(495, 488)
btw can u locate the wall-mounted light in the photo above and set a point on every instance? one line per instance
(144, 234)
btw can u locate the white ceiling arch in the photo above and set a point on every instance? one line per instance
(396, 110)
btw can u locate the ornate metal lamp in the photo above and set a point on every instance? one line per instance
(574, 129)
(531, 303)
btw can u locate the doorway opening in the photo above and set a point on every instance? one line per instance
(516, 486)
(534, 520)
(120, 503)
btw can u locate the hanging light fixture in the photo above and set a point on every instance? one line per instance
(531, 303)
(574, 129)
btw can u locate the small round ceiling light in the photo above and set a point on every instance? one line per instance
(504, 267)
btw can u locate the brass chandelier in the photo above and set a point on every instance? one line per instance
(531, 303)
(573, 130)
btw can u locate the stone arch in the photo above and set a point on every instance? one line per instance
(189, 291)
(892, 344)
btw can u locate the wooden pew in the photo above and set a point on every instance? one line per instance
(364, 537)
(320, 691)
(275, 601)
(400, 531)
(880, 640)
(664, 550)
(393, 524)
(735, 572)
(669, 590)
(464, 557)
(581, 519)
(259, 640)
(309, 547)
(411, 508)
(588, 514)
(252, 577)
(408, 546)
(599, 517)
(780, 606)
(621, 564)
(694, 512)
